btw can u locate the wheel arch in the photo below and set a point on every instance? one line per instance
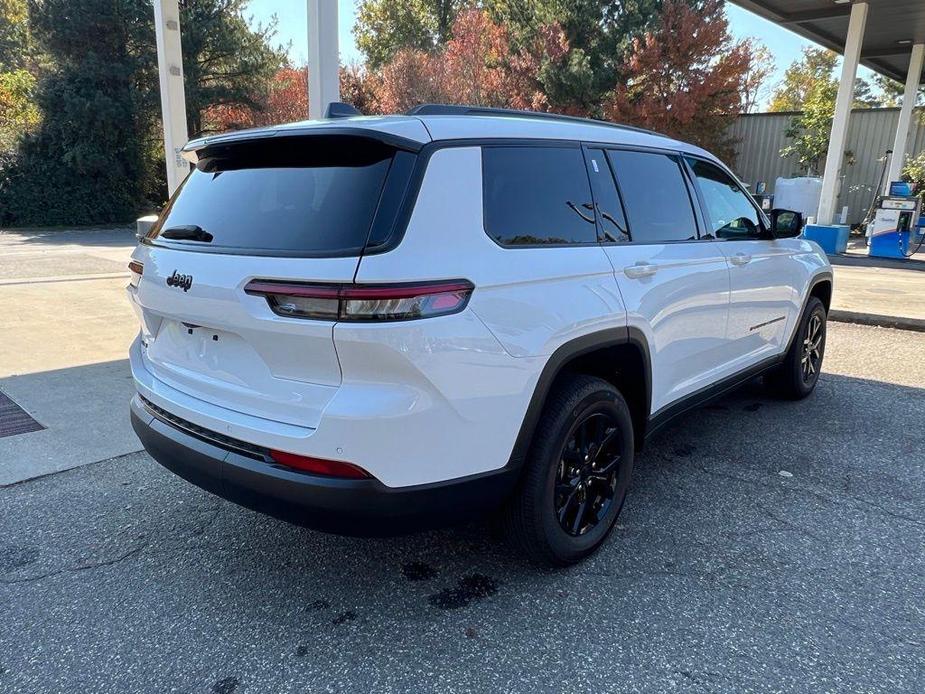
(822, 289)
(619, 356)
(819, 286)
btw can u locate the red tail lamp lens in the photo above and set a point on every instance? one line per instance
(319, 466)
(357, 302)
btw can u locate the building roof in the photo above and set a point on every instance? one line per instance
(893, 26)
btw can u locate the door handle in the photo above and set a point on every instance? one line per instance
(639, 269)
(740, 259)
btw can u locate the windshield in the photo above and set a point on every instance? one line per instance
(305, 196)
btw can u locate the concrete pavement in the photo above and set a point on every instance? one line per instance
(66, 327)
(764, 546)
(879, 296)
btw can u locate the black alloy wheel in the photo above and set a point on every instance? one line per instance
(811, 357)
(586, 479)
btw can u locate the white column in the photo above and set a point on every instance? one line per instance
(913, 79)
(839, 134)
(173, 98)
(323, 59)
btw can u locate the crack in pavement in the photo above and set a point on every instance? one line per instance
(74, 569)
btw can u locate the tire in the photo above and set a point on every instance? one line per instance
(797, 376)
(576, 474)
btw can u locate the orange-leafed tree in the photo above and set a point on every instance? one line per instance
(286, 101)
(686, 77)
(478, 66)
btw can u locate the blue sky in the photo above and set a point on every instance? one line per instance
(783, 44)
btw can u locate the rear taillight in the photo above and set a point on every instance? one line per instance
(359, 302)
(137, 270)
(320, 466)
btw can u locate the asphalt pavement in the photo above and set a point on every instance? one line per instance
(765, 546)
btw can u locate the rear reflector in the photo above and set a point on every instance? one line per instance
(319, 466)
(137, 269)
(358, 302)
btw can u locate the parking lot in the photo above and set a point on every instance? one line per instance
(765, 546)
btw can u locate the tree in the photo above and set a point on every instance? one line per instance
(479, 65)
(384, 27)
(914, 172)
(803, 77)
(20, 114)
(286, 100)
(360, 88)
(599, 33)
(225, 61)
(18, 71)
(809, 131)
(686, 77)
(892, 92)
(97, 154)
(16, 45)
(760, 67)
(82, 164)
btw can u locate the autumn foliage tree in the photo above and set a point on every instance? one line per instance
(685, 78)
(286, 101)
(478, 66)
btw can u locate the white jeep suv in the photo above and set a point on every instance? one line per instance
(374, 325)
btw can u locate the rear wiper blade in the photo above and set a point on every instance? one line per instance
(187, 232)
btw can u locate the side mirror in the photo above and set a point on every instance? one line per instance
(786, 224)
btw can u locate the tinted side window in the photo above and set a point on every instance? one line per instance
(537, 195)
(657, 202)
(606, 198)
(729, 209)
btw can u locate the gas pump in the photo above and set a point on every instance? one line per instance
(895, 231)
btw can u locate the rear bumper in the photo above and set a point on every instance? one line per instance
(351, 507)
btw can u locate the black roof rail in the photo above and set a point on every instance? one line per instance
(463, 110)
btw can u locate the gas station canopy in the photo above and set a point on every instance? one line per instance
(893, 27)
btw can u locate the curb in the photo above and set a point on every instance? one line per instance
(898, 322)
(855, 260)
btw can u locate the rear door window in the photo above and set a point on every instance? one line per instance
(606, 198)
(658, 205)
(292, 196)
(537, 196)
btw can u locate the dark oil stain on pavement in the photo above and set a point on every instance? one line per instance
(418, 571)
(301, 651)
(347, 616)
(754, 407)
(470, 588)
(229, 685)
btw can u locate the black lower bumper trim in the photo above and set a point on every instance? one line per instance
(350, 507)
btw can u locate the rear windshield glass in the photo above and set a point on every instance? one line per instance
(304, 196)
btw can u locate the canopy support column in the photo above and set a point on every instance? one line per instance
(913, 80)
(839, 134)
(323, 59)
(173, 97)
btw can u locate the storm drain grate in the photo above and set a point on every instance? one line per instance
(14, 419)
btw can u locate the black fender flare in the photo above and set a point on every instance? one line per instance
(558, 361)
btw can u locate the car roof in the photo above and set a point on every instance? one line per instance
(414, 131)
